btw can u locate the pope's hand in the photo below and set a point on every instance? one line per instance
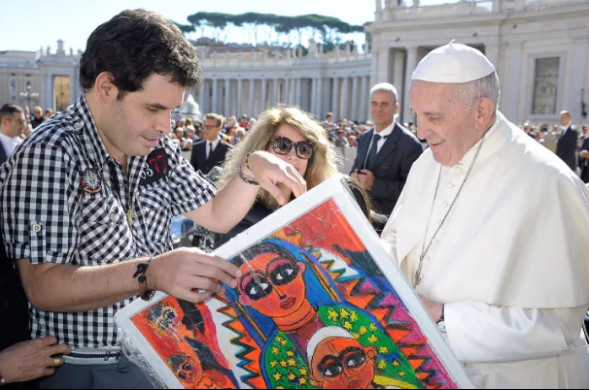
(270, 171)
(434, 309)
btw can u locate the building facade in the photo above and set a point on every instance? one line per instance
(539, 47)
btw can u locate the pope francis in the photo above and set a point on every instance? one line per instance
(493, 231)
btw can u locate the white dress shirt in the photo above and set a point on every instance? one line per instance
(384, 137)
(215, 144)
(9, 143)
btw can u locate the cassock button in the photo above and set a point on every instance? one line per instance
(37, 228)
(451, 185)
(446, 204)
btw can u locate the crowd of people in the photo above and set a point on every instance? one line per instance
(87, 199)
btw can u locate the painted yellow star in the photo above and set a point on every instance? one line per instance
(290, 354)
(373, 339)
(332, 314)
(279, 339)
(356, 336)
(303, 371)
(363, 330)
(283, 343)
(292, 376)
(382, 364)
(354, 317)
(401, 374)
(396, 364)
(384, 350)
(344, 314)
(283, 364)
(275, 351)
(302, 382)
(273, 364)
(373, 328)
(277, 377)
(292, 363)
(348, 326)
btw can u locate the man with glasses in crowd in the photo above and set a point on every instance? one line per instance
(212, 152)
(12, 125)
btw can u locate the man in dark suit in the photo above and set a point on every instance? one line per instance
(385, 153)
(568, 141)
(12, 125)
(212, 152)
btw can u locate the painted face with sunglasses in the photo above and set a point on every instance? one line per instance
(341, 363)
(289, 145)
(275, 287)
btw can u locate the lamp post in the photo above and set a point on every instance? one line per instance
(29, 95)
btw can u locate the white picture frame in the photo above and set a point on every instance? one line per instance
(337, 191)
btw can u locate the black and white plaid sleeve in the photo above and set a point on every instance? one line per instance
(37, 199)
(190, 189)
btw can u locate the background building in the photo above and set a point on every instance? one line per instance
(540, 49)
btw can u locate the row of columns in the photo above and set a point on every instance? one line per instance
(346, 97)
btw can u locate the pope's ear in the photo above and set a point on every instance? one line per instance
(245, 300)
(485, 111)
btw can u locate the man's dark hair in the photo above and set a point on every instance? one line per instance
(8, 110)
(135, 44)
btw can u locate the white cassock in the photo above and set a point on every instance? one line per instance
(511, 263)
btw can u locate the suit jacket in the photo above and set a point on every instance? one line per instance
(199, 156)
(391, 167)
(567, 147)
(585, 163)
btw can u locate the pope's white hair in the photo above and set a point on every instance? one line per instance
(386, 87)
(486, 87)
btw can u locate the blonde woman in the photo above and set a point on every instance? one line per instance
(291, 135)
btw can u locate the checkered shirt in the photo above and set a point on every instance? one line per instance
(49, 216)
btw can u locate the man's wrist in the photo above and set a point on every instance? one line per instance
(3, 379)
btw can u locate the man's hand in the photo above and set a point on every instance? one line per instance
(185, 271)
(585, 154)
(434, 309)
(32, 360)
(356, 175)
(270, 171)
(366, 179)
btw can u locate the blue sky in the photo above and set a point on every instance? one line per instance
(32, 24)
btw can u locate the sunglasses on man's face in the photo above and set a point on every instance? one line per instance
(283, 146)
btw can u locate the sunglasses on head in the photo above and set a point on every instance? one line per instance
(283, 146)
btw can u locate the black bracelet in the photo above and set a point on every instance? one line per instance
(141, 277)
(247, 180)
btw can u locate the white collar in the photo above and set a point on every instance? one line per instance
(386, 132)
(568, 126)
(9, 139)
(215, 144)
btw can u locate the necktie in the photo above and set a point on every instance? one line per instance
(373, 152)
(210, 151)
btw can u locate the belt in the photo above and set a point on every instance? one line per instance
(94, 357)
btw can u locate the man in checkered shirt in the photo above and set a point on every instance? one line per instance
(91, 194)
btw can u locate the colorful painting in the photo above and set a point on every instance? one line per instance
(320, 305)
